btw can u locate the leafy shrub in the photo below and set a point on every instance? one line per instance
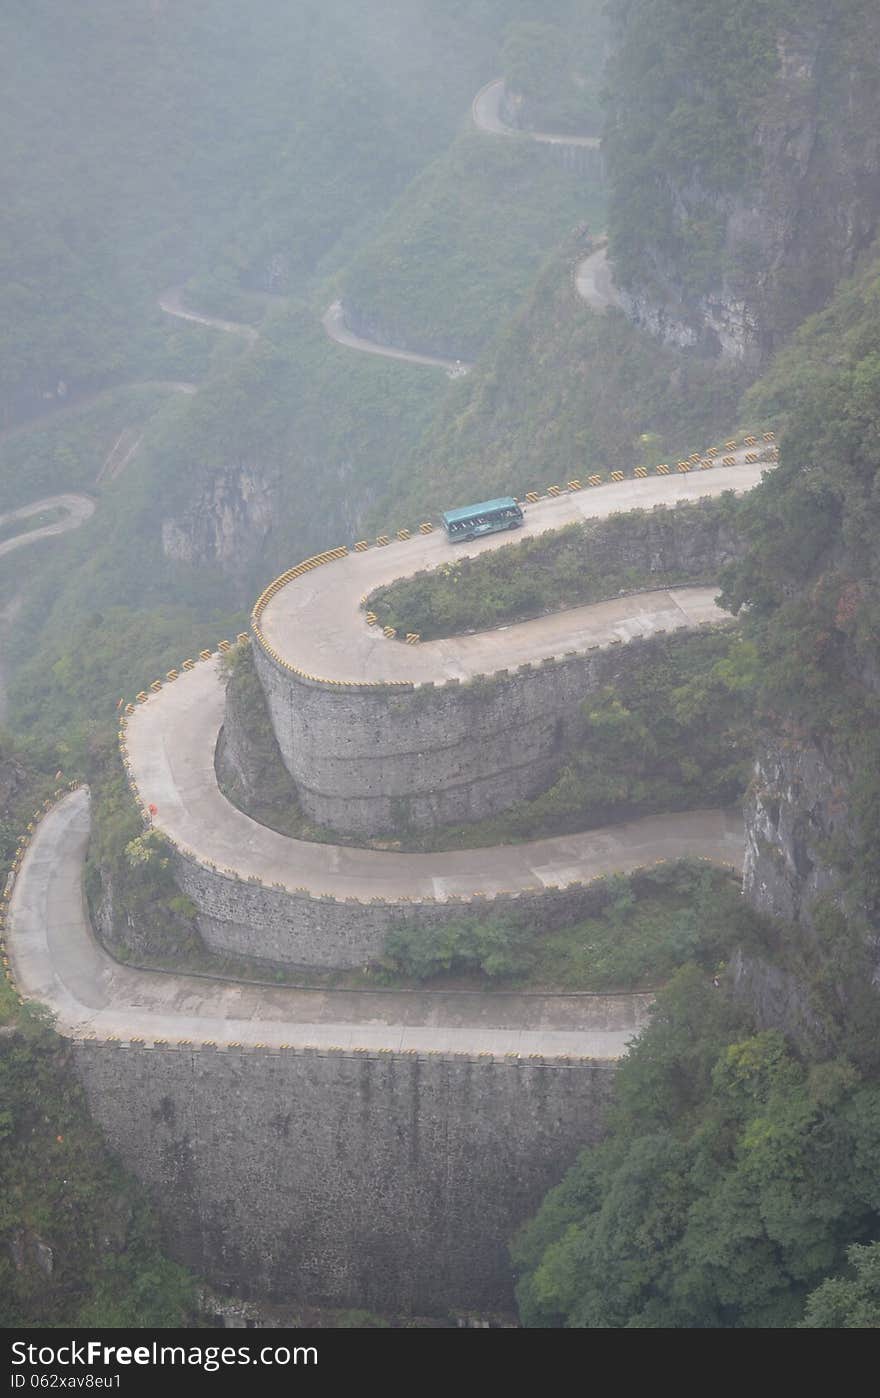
(492, 946)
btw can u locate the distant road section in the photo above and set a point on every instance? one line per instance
(593, 281)
(486, 113)
(57, 961)
(333, 321)
(171, 302)
(78, 509)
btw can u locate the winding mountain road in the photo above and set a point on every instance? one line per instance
(315, 623)
(593, 279)
(78, 508)
(57, 961)
(486, 113)
(333, 321)
(317, 626)
(171, 302)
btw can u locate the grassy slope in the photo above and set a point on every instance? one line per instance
(462, 246)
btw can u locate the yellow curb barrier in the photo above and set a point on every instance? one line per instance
(403, 535)
(663, 470)
(371, 618)
(594, 480)
(617, 475)
(553, 490)
(389, 631)
(412, 638)
(728, 461)
(574, 485)
(532, 496)
(426, 528)
(640, 473)
(382, 540)
(361, 546)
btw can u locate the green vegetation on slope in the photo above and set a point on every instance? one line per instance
(462, 246)
(276, 457)
(734, 1179)
(644, 927)
(78, 1245)
(555, 69)
(145, 142)
(676, 736)
(740, 1172)
(683, 79)
(563, 392)
(811, 574)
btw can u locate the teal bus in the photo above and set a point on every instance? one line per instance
(488, 518)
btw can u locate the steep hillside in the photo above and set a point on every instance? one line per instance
(811, 581)
(464, 243)
(741, 1166)
(564, 391)
(744, 163)
(146, 142)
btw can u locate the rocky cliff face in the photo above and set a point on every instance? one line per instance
(228, 524)
(743, 257)
(796, 808)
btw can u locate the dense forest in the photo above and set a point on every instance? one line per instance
(266, 162)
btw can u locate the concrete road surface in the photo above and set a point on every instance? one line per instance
(57, 961)
(171, 740)
(333, 321)
(486, 112)
(171, 302)
(593, 281)
(78, 509)
(317, 625)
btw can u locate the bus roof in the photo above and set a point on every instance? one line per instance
(506, 502)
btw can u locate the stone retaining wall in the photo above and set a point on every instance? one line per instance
(345, 1179)
(372, 758)
(237, 917)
